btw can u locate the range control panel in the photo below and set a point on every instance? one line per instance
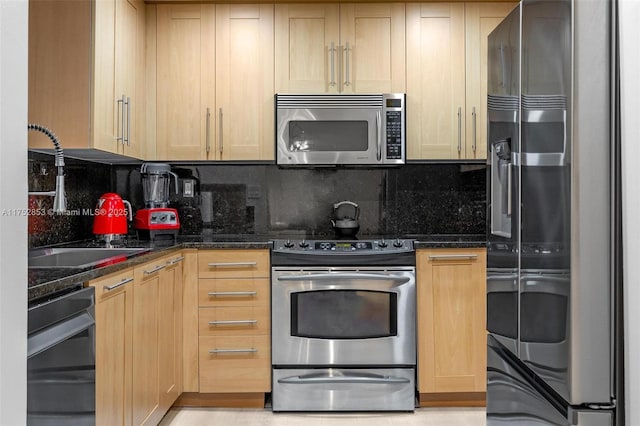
(344, 247)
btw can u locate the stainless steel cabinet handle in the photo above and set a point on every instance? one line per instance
(473, 115)
(220, 133)
(452, 256)
(116, 285)
(373, 379)
(459, 129)
(233, 322)
(332, 49)
(128, 104)
(224, 351)
(120, 135)
(343, 276)
(206, 131)
(378, 136)
(232, 293)
(176, 260)
(223, 264)
(346, 61)
(156, 269)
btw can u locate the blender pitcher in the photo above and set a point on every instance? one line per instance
(155, 184)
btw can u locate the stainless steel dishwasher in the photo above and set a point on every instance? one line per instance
(61, 358)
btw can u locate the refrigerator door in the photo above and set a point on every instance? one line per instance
(502, 306)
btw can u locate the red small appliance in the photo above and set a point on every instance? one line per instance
(110, 217)
(156, 219)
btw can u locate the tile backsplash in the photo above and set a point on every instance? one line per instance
(266, 199)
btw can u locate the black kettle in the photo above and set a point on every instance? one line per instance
(345, 222)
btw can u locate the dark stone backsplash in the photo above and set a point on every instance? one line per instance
(266, 200)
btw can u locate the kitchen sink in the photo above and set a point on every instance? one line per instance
(80, 257)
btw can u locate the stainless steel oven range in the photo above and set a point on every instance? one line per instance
(343, 325)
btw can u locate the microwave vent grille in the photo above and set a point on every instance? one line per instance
(329, 101)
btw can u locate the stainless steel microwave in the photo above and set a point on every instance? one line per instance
(353, 129)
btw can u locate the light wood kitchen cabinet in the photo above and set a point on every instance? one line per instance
(214, 73)
(451, 304)
(89, 91)
(234, 321)
(114, 311)
(340, 48)
(157, 338)
(446, 78)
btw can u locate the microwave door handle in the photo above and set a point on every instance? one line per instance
(378, 137)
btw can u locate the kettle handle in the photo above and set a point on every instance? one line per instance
(335, 207)
(128, 204)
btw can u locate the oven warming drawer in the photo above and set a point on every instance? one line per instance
(336, 389)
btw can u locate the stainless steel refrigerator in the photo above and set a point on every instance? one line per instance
(553, 289)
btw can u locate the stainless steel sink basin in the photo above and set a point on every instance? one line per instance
(80, 257)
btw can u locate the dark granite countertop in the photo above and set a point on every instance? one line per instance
(45, 282)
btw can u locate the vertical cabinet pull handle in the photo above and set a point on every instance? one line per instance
(206, 131)
(346, 61)
(220, 129)
(459, 129)
(474, 116)
(332, 49)
(128, 103)
(120, 131)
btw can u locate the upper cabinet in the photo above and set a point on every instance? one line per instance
(90, 95)
(214, 74)
(118, 102)
(346, 48)
(446, 78)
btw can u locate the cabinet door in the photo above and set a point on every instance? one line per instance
(435, 81)
(481, 19)
(244, 82)
(114, 308)
(146, 404)
(451, 320)
(170, 332)
(304, 60)
(129, 74)
(372, 48)
(185, 81)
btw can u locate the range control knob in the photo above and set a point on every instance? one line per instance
(397, 243)
(288, 244)
(382, 244)
(303, 244)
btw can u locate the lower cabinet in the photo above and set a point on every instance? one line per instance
(451, 326)
(139, 342)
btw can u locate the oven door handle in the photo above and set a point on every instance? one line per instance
(362, 379)
(342, 277)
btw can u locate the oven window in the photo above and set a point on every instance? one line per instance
(338, 135)
(344, 314)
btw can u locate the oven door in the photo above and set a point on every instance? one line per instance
(343, 316)
(329, 136)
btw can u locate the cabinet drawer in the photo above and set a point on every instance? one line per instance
(233, 263)
(106, 287)
(234, 321)
(233, 292)
(235, 364)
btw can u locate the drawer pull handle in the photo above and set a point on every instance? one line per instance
(156, 269)
(223, 264)
(233, 322)
(232, 293)
(452, 256)
(116, 285)
(176, 260)
(226, 351)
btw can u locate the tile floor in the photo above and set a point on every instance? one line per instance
(251, 417)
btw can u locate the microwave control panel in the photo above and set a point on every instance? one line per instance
(394, 135)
